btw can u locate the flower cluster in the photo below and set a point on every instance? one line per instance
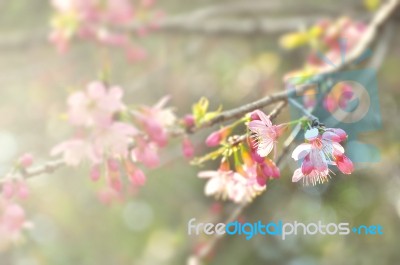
(12, 215)
(112, 138)
(330, 41)
(97, 20)
(331, 38)
(252, 167)
(322, 148)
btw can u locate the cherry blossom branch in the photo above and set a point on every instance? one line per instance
(382, 16)
(258, 104)
(206, 250)
(48, 167)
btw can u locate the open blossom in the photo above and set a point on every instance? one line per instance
(219, 183)
(320, 151)
(146, 153)
(12, 222)
(264, 132)
(246, 184)
(239, 186)
(156, 120)
(95, 106)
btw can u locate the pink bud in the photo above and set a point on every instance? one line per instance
(276, 173)
(137, 177)
(341, 133)
(113, 165)
(156, 132)
(26, 160)
(148, 155)
(215, 138)
(107, 196)
(266, 170)
(116, 184)
(8, 189)
(344, 164)
(95, 173)
(331, 136)
(187, 147)
(188, 120)
(23, 190)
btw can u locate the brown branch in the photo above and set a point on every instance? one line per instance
(382, 16)
(258, 104)
(48, 167)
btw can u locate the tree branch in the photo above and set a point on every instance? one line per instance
(382, 16)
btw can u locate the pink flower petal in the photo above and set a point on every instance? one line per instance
(297, 175)
(345, 165)
(301, 151)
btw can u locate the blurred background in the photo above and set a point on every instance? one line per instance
(73, 227)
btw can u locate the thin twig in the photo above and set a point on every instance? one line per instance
(46, 168)
(258, 104)
(300, 107)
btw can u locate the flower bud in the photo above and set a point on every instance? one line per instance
(26, 160)
(187, 147)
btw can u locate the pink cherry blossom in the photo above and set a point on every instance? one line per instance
(97, 20)
(95, 106)
(264, 133)
(219, 183)
(318, 153)
(156, 120)
(146, 153)
(240, 186)
(75, 151)
(113, 140)
(245, 185)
